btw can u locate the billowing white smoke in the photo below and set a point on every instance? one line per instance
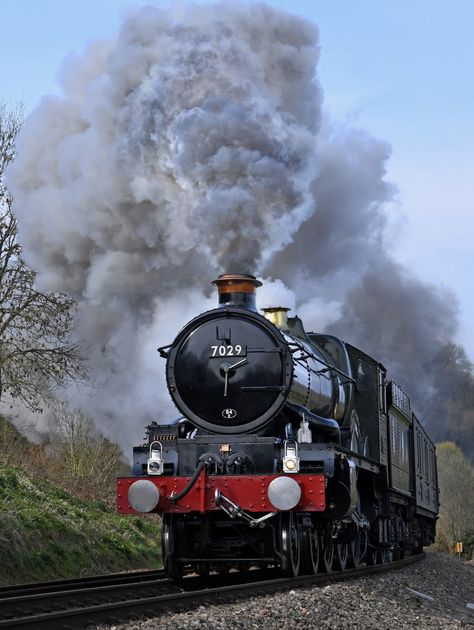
(193, 146)
(182, 149)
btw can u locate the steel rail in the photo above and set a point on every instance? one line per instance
(114, 612)
(57, 599)
(73, 583)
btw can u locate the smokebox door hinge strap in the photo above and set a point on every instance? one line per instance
(224, 335)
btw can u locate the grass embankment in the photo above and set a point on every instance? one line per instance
(45, 533)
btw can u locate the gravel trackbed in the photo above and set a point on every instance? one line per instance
(443, 586)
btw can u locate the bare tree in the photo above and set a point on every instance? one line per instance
(13, 445)
(89, 462)
(37, 352)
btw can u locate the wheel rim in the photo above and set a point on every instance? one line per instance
(290, 544)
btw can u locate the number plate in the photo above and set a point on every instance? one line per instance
(220, 352)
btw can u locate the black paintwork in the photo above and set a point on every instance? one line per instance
(256, 389)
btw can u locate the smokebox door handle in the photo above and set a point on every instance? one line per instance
(164, 350)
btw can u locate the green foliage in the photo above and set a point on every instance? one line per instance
(46, 533)
(456, 483)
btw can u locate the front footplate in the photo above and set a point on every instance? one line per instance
(248, 492)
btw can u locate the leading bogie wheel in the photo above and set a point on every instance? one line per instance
(289, 541)
(309, 550)
(169, 544)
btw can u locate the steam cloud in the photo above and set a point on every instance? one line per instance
(182, 149)
(193, 145)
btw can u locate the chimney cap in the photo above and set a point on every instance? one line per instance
(237, 281)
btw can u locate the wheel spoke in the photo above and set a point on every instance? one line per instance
(342, 554)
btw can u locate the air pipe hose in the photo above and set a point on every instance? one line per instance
(189, 485)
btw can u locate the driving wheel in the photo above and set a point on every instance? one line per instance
(358, 548)
(342, 554)
(327, 550)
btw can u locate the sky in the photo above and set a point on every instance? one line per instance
(401, 70)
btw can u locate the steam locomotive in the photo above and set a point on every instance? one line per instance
(293, 450)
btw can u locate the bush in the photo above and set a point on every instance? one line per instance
(456, 483)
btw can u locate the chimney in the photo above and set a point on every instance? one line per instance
(237, 290)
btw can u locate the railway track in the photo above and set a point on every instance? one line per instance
(77, 583)
(115, 598)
